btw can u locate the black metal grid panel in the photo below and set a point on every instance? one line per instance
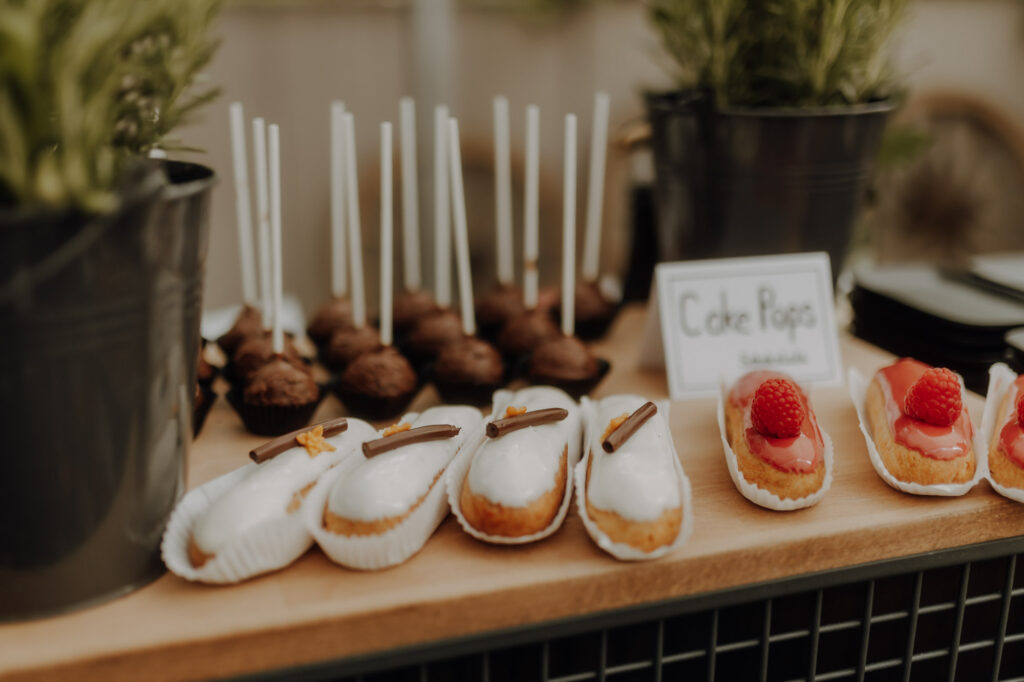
(949, 622)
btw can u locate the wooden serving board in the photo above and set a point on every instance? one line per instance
(315, 610)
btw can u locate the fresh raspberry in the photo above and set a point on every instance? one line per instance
(1020, 410)
(935, 397)
(777, 409)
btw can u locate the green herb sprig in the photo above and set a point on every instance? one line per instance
(88, 85)
(781, 53)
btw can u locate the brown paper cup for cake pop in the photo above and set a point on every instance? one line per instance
(471, 393)
(372, 407)
(576, 388)
(274, 420)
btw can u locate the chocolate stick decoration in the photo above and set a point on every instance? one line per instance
(420, 434)
(499, 427)
(627, 428)
(287, 442)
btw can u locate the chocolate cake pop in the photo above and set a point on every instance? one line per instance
(505, 301)
(249, 323)
(497, 307)
(334, 315)
(414, 302)
(593, 311)
(249, 320)
(564, 361)
(468, 370)
(280, 398)
(410, 307)
(378, 385)
(560, 359)
(431, 334)
(348, 344)
(523, 333)
(257, 351)
(280, 395)
(279, 382)
(381, 383)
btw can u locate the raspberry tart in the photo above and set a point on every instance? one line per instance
(919, 425)
(774, 436)
(1006, 448)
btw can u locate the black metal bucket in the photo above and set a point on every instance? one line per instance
(99, 331)
(742, 182)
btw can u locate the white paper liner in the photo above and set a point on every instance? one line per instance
(858, 386)
(1000, 378)
(458, 469)
(760, 496)
(621, 550)
(373, 552)
(271, 545)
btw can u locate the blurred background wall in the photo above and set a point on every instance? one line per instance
(286, 60)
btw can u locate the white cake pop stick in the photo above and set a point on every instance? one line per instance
(277, 338)
(461, 231)
(355, 249)
(595, 188)
(386, 234)
(442, 212)
(410, 195)
(503, 193)
(569, 228)
(259, 146)
(243, 210)
(339, 268)
(531, 208)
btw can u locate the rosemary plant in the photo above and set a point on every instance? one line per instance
(88, 85)
(781, 53)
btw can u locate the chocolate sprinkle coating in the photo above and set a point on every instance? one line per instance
(249, 323)
(346, 345)
(280, 383)
(382, 374)
(334, 315)
(564, 358)
(469, 361)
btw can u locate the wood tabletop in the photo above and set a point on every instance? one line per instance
(315, 610)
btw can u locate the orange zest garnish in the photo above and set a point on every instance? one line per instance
(314, 441)
(512, 411)
(615, 423)
(396, 428)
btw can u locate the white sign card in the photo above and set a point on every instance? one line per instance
(723, 318)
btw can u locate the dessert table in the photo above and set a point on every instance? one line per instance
(456, 587)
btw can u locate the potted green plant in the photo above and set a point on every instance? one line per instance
(768, 143)
(102, 256)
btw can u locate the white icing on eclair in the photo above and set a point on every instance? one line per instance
(268, 490)
(389, 484)
(519, 467)
(638, 481)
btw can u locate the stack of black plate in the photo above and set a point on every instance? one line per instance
(936, 317)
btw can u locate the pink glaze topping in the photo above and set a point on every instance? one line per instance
(798, 454)
(937, 442)
(1011, 438)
